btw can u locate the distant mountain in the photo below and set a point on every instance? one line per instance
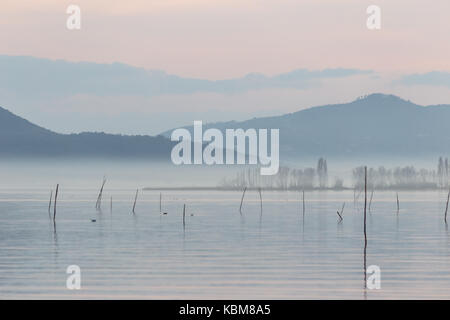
(19, 138)
(57, 93)
(37, 77)
(376, 124)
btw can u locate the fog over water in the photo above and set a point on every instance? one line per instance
(88, 173)
(278, 252)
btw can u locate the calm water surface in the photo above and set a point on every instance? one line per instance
(220, 253)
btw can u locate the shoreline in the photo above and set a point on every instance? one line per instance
(215, 188)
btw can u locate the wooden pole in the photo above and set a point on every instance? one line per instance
(160, 200)
(50, 202)
(446, 207)
(184, 215)
(260, 199)
(365, 226)
(341, 213)
(242, 200)
(54, 203)
(365, 205)
(135, 199)
(398, 204)
(98, 204)
(303, 204)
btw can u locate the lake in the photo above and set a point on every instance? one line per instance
(221, 253)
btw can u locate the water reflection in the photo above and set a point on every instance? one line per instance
(220, 253)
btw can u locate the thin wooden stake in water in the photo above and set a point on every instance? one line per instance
(50, 202)
(184, 215)
(242, 200)
(110, 207)
(446, 207)
(398, 204)
(341, 213)
(54, 203)
(160, 200)
(303, 204)
(370, 202)
(260, 199)
(365, 228)
(135, 199)
(98, 204)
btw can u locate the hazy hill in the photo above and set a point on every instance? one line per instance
(56, 93)
(19, 137)
(376, 124)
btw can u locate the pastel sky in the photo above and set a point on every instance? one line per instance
(218, 39)
(227, 39)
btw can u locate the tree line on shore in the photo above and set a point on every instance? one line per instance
(380, 178)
